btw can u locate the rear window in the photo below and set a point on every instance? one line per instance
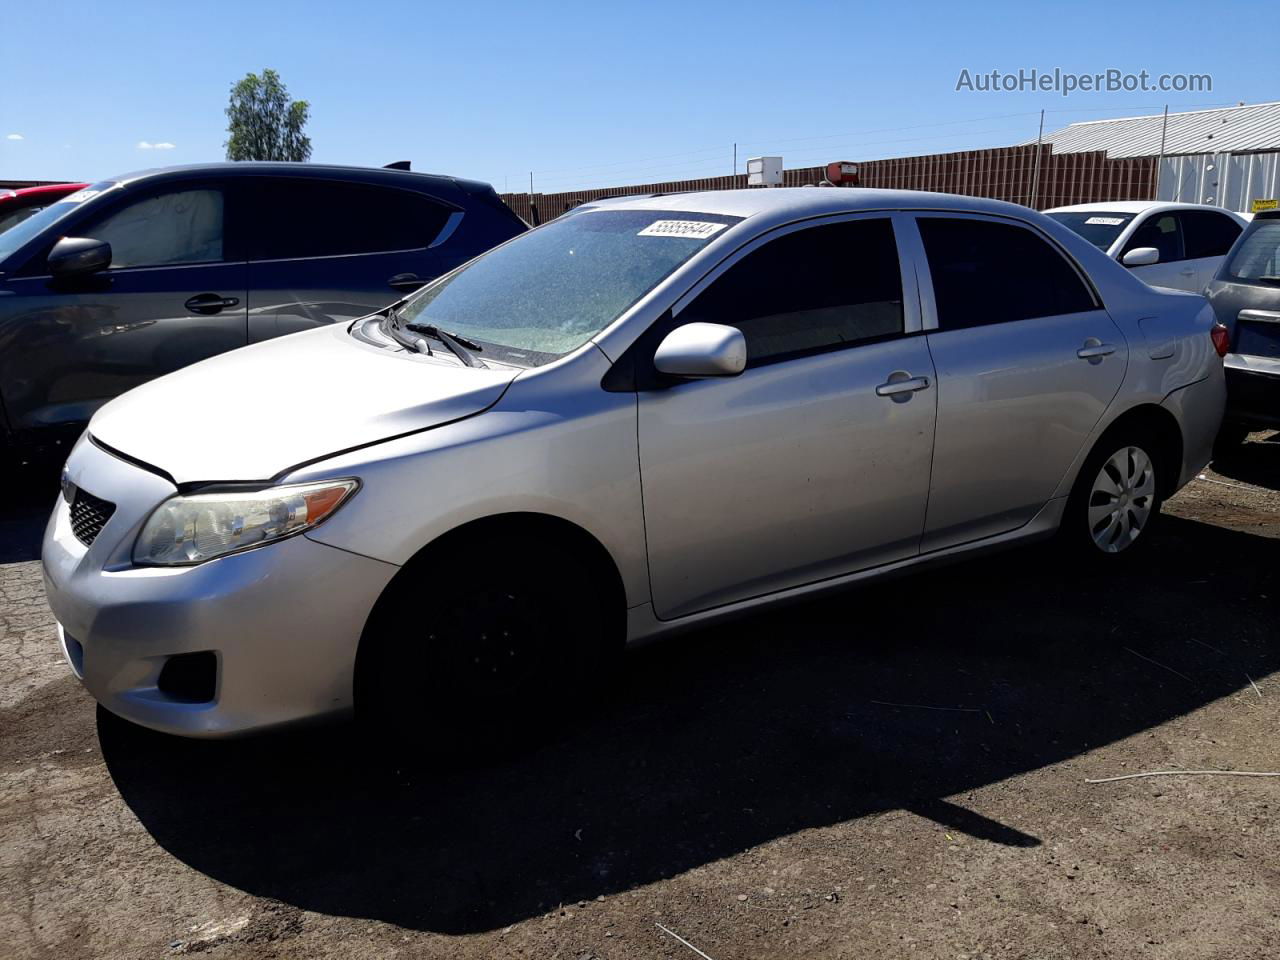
(1257, 256)
(330, 218)
(1208, 233)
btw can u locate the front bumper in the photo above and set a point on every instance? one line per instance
(1253, 390)
(283, 621)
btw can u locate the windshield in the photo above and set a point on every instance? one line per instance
(1098, 227)
(548, 291)
(1257, 253)
(18, 234)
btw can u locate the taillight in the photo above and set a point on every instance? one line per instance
(1221, 338)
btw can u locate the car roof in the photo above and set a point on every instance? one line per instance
(811, 201)
(44, 188)
(1135, 206)
(246, 168)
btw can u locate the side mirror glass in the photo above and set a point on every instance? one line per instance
(75, 256)
(1141, 257)
(698, 350)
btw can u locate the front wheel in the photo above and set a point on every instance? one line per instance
(1116, 498)
(481, 647)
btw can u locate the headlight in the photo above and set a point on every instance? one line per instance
(68, 488)
(192, 529)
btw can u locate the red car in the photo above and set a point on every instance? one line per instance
(17, 205)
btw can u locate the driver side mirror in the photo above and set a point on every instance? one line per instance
(1141, 257)
(699, 350)
(77, 256)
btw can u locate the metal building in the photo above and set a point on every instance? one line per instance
(1229, 156)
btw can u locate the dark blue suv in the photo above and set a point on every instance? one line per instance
(139, 275)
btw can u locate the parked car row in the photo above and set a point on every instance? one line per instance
(654, 413)
(124, 280)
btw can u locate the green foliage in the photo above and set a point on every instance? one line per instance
(263, 123)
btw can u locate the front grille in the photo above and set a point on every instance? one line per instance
(89, 514)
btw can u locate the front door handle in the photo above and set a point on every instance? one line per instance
(406, 281)
(210, 303)
(905, 384)
(1094, 350)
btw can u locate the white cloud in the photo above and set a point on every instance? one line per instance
(15, 136)
(164, 146)
(144, 145)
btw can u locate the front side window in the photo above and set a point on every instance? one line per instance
(1162, 232)
(1207, 234)
(328, 218)
(1257, 259)
(1101, 228)
(548, 291)
(986, 272)
(180, 227)
(809, 291)
(17, 235)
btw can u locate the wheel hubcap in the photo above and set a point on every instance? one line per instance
(1121, 500)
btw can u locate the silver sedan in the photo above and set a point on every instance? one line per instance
(648, 414)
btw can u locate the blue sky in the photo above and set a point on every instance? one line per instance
(587, 94)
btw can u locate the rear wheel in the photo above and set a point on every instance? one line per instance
(482, 647)
(1116, 498)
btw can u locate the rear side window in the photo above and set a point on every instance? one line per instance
(328, 218)
(180, 227)
(1258, 256)
(813, 290)
(1162, 232)
(985, 272)
(1207, 234)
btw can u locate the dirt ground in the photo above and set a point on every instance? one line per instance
(899, 771)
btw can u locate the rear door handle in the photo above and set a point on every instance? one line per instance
(1095, 349)
(210, 303)
(895, 388)
(406, 281)
(1259, 316)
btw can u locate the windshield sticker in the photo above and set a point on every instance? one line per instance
(1106, 221)
(80, 196)
(695, 229)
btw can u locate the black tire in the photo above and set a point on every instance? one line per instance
(1082, 532)
(482, 647)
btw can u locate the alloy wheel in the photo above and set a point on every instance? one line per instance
(1121, 500)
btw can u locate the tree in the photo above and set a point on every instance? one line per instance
(263, 123)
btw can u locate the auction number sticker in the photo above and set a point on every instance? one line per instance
(1106, 221)
(692, 229)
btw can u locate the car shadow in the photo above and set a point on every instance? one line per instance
(898, 695)
(32, 489)
(1256, 462)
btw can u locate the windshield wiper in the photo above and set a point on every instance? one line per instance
(393, 330)
(461, 346)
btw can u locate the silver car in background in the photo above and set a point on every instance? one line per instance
(646, 415)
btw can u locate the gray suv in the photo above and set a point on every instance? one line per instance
(142, 274)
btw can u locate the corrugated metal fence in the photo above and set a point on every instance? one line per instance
(1001, 173)
(1231, 180)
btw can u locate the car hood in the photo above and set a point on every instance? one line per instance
(256, 412)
